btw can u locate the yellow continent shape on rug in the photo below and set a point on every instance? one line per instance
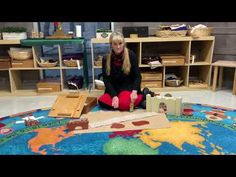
(178, 134)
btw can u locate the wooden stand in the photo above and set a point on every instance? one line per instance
(69, 105)
(221, 64)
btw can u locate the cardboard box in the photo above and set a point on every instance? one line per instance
(151, 84)
(47, 86)
(22, 63)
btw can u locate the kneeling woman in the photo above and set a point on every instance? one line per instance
(121, 76)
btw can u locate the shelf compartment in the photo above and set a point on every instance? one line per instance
(156, 49)
(23, 80)
(4, 81)
(201, 51)
(199, 76)
(179, 71)
(68, 75)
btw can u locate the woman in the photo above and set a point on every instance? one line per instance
(121, 76)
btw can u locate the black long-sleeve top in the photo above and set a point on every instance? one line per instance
(118, 81)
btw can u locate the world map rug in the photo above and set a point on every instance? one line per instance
(207, 130)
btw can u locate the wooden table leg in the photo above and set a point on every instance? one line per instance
(234, 87)
(220, 77)
(215, 78)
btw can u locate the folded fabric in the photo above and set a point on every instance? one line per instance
(179, 28)
(154, 64)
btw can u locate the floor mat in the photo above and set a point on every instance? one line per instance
(210, 130)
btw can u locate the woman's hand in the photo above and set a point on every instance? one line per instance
(133, 95)
(115, 102)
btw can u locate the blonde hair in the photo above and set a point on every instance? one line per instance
(117, 36)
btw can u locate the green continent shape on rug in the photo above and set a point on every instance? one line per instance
(122, 146)
(48, 136)
(178, 134)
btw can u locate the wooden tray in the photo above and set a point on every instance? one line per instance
(69, 105)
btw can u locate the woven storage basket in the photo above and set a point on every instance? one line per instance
(20, 55)
(201, 32)
(174, 83)
(70, 63)
(168, 33)
(47, 64)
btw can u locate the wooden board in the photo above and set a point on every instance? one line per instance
(155, 122)
(69, 105)
(171, 56)
(225, 63)
(90, 103)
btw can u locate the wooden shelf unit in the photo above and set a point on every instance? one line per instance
(202, 48)
(20, 81)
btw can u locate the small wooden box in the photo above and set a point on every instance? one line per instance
(172, 61)
(90, 103)
(5, 63)
(151, 76)
(48, 86)
(151, 84)
(22, 63)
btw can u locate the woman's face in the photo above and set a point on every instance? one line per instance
(117, 46)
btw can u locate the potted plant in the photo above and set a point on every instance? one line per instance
(13, 33)
(103, 33)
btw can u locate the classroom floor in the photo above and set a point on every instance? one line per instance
(14, 104)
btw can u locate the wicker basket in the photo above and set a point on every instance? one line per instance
(20, 55)
(200, 32)
(168, 33)
(70, 63)
(47, 64)
(174, 83)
